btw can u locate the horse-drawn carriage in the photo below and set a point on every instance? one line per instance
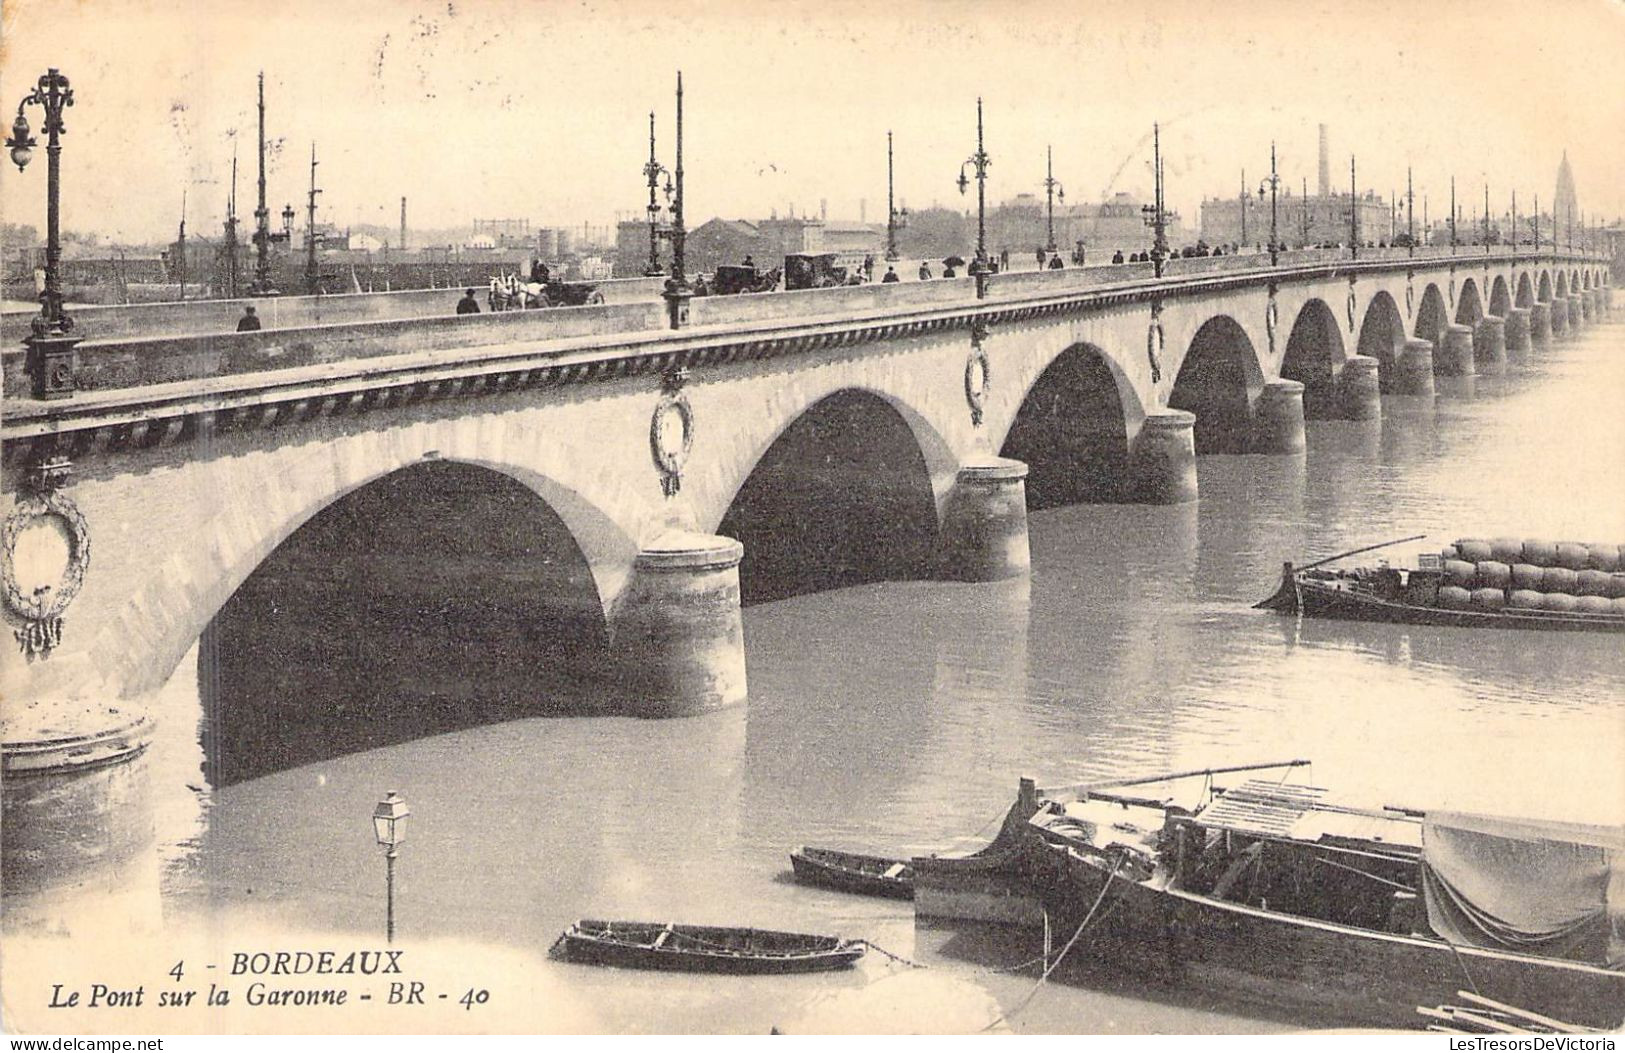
(818, 270)
(509, 293)
(730, 279)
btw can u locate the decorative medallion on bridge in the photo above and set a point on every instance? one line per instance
(1351, 304)
(978, 372)
(1272, 317)
(671, 431)
(43, 556)
(1155, 341)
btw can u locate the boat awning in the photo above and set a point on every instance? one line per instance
(1534, 886)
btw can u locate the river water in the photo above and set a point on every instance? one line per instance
(897, 717)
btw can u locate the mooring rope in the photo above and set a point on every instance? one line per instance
(1087, 918)
(894, 957)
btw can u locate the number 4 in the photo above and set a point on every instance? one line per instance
(177, 972)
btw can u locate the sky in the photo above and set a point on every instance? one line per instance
(486, 109)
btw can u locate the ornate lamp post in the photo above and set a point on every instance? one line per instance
(312, 275)
(1452, 215)
(1274, 184)
(652, 172)
(1304, 211)
(389, 827)
(896, 218)
(1354, 212)
(1052, 189)
(1534, 221)
(1486, 218)
(261, 285)
(182, 246)
(979, 160)
(50, 348)
(231, 232)
(1155, 217)
(677, 292)
(1410, 213)
(1516, 237)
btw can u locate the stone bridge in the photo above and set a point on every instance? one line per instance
(568, 507)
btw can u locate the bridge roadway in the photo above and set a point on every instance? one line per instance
(653, 459)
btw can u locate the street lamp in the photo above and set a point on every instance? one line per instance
(287, 222)
(1410, 213)
(979, 160)
(50, 348)
(896, 218)
(1155, 217)
(652, 172)
(1354, 213)
(1274, 183)
(1053, 189)
(678, 293)
(389, 827)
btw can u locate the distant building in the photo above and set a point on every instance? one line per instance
(1318, 220)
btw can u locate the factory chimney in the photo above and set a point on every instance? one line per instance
(1325, 164)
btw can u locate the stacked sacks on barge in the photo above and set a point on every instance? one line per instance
(1561, 576)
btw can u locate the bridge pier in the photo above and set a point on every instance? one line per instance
(1490, 345)
(1517, 335)
(984, 522)
(677, 628)
(1577, 311)
(77, 824)
(1454, 355)
(1162, 458)
(1278, 419)
(1540, 325)
(1359, 389)
(1560, 315)
(1596, 306)
(1413, 368)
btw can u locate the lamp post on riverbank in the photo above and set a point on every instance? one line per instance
(389, 827)
(50, 349)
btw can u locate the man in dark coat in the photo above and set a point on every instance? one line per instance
(925, 272)
(249, 322)
(468, 305)
(891, 276)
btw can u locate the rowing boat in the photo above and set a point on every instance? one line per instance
(703, 948)
(853, 872)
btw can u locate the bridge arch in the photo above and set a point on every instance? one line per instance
(1574, 281)
(258, 511)
(1432, 316)
(1562, 284)
(1500, 297)
(1526, 293)
(1544, 295)
(1469, 305)
(1072, 430)
(437, 596)
(1314, 354)
(1218, 380)
(1382, 336)
(841, 495)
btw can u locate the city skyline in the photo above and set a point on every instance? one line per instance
(470, 111)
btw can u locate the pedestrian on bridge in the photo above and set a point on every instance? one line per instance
(468, 305)
(249, 322)
(891, 276)
(925, 272)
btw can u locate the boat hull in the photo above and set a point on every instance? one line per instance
(1355, 975)
(1298, 595)
(852, 872)
(695, 948)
